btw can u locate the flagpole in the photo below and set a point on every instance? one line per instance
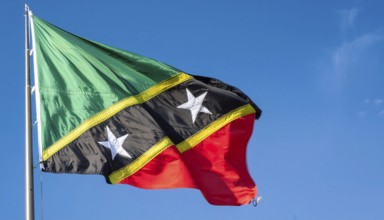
(29, 197)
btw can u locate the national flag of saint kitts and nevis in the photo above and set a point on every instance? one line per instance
(138, 121)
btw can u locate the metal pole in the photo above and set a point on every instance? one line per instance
(29, 197)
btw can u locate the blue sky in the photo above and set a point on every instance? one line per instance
(315, 68)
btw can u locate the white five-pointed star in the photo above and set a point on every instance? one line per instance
(115, 144)
(195, 105)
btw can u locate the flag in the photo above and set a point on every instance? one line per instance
(138, 121)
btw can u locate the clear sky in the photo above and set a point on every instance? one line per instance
(315, 68)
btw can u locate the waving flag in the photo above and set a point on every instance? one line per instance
(138, 121)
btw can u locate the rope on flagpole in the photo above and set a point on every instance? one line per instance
(41, 195)
(41, 189)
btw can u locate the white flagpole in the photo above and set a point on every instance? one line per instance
(29, 197)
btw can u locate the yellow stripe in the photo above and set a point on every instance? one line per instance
(112, 110)
(141, 161)
(189, 143)
(214, 126)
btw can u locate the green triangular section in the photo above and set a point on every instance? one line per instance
(78, 78)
